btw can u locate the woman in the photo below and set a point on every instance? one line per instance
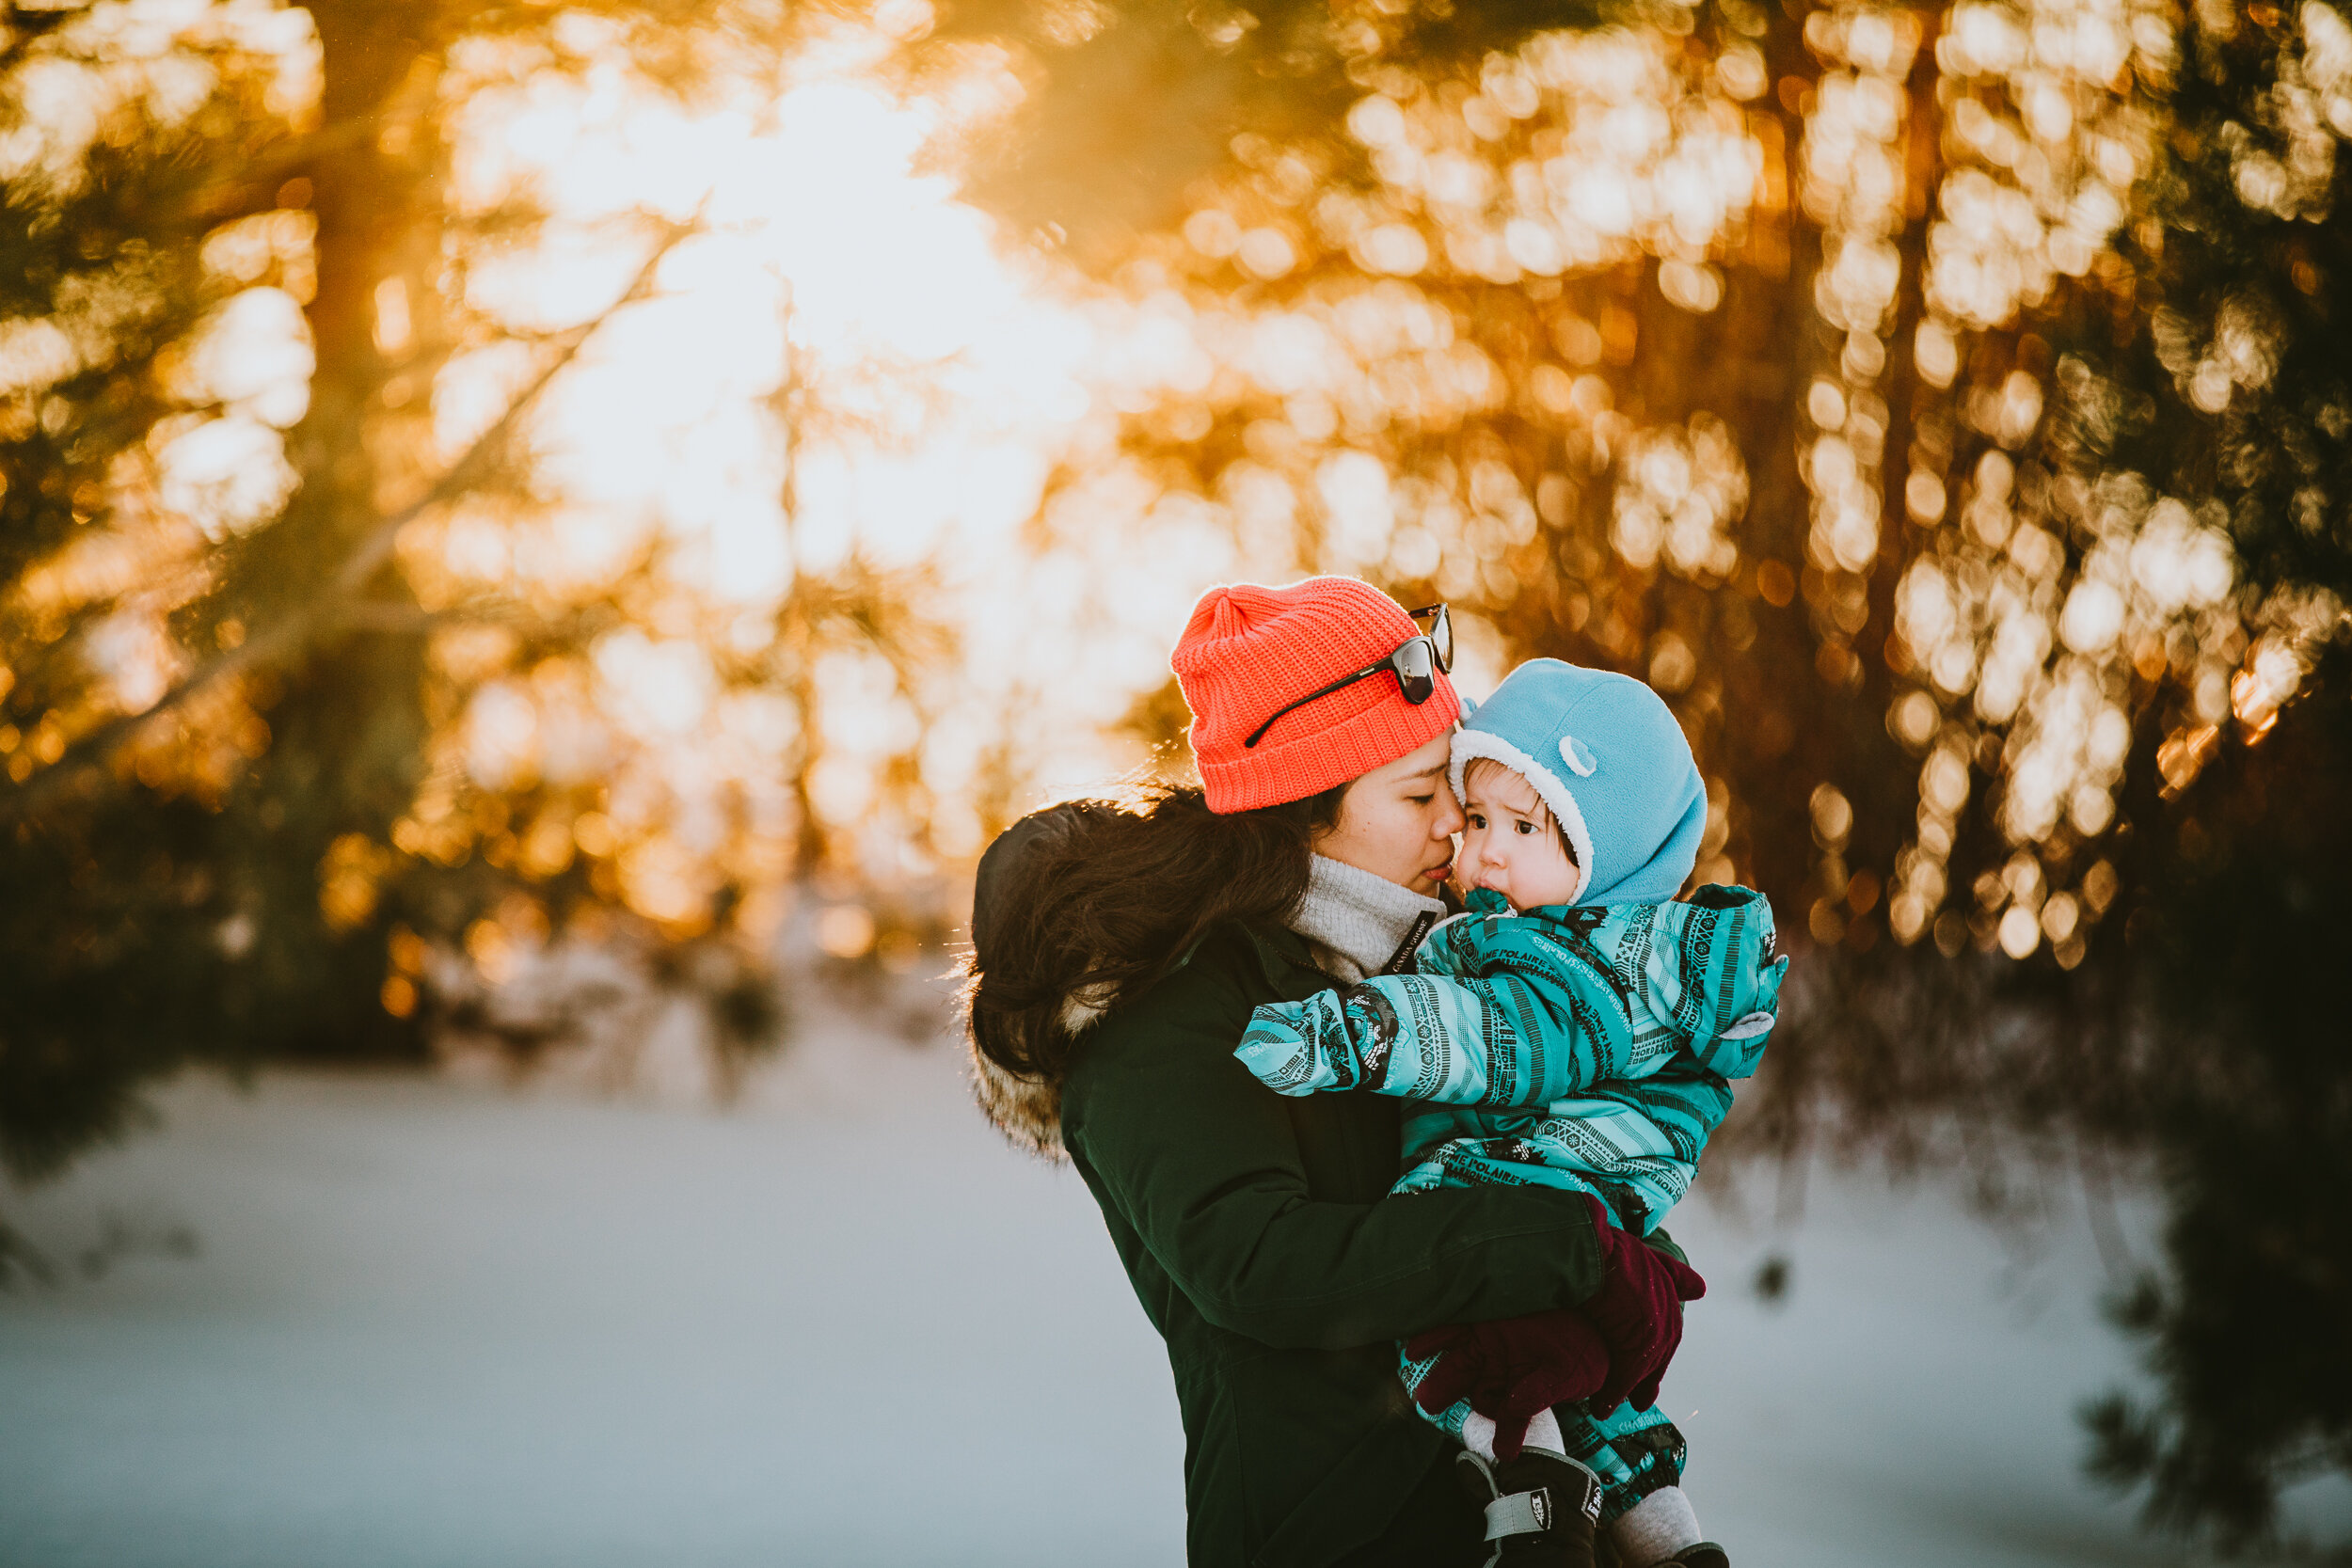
(1118, 948)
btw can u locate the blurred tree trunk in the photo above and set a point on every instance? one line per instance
(348, 725)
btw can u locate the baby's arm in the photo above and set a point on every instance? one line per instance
(1524, 1011)
(1538, 1021)
(1710, 974)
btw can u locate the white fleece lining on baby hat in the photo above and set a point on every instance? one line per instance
(1471, 744)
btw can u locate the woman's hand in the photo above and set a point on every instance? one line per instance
(1510, 1369)
(1637, 1311)
(1613, 1348)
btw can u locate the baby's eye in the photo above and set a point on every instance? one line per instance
(1478, 821)
(1526, 826)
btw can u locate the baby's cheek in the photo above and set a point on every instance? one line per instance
(1545, 875)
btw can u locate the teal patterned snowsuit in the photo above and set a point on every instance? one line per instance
(1588, 1047)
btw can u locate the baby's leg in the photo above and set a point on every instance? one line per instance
(1655, 1528)
(1478, 1435)
(1638, 1455)
(1448, 1421)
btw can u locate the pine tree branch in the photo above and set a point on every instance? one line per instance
(326, 609)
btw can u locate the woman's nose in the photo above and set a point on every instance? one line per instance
(1450, 818)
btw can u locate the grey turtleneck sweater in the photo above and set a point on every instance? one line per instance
(1355, 920)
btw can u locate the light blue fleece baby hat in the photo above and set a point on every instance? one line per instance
(1612, 766)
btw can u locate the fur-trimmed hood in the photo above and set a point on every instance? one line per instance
(1027, 1111)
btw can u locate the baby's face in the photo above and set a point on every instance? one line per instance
(1509, 843)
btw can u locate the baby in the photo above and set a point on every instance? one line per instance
(1576, 1029)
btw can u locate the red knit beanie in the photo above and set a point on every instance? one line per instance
(1249, 650)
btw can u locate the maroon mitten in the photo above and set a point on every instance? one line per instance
(1510, 1368)
(1644, 1395)
(1475, 1361)
(1461, 1366)
(1566, 1362)
(1637, 1310)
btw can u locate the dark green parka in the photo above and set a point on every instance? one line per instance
(1258, 1233)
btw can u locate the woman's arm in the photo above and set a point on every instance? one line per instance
(1205, 1165)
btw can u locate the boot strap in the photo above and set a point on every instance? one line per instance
(1532, 1512)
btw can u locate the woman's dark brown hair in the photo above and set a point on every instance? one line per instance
(1081, 907)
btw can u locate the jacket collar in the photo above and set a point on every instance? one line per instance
(1284, 958)
(1287, 962)
(1358, 921)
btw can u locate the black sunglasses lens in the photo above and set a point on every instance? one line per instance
(1440, 632)
(1413, 671)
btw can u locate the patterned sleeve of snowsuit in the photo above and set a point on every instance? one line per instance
(1586, 1048)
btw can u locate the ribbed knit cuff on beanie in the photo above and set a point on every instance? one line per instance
(1249, 650)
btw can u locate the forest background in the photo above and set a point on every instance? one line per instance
(519, 516)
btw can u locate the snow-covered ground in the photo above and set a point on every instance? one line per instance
(434, 1322)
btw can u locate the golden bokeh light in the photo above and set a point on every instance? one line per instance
(864, 519)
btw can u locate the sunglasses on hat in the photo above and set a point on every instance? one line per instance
(1418, 661)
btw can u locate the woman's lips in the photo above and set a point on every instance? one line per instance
(1438, 872)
